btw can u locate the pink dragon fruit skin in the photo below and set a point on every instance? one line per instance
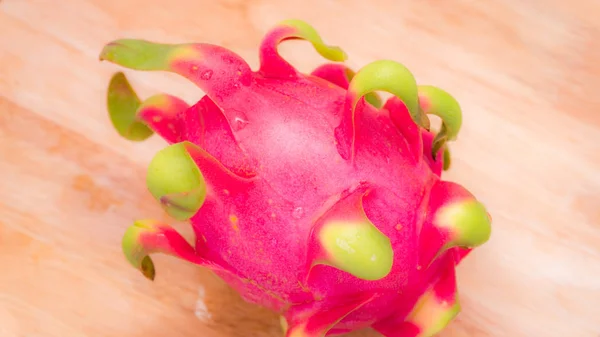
(305, 194)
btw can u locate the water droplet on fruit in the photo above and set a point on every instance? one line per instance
(239, 122)
(298, 213)
(206, 75)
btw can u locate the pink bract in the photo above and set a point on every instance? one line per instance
(306, 194)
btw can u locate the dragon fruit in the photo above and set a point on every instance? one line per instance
(307, 193)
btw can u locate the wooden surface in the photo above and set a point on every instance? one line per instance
(527, 74)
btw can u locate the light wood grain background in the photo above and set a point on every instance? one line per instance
(527, 74)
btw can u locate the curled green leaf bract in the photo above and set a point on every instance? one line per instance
(438, 102)
(145, 55)
(148, 236)
(372, 97)
(307, 32)
(432, 315)
(439, 141)
(467, 221)
(358, 248)
(392, 77)
(174, 179)
(134, 249)
(447, 158)
(123, 104)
